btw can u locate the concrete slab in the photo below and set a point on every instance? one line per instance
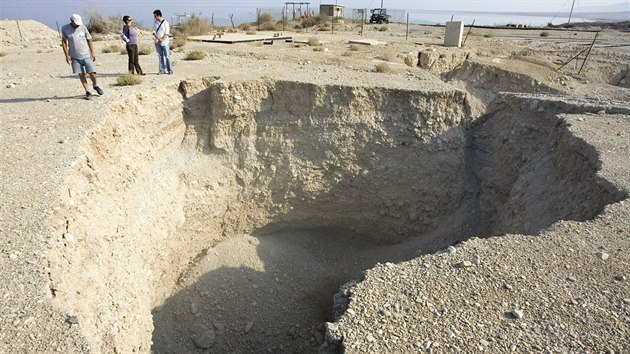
(231, 38)
(367, 42)
(454, 34)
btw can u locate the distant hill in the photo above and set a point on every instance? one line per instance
(621, 7)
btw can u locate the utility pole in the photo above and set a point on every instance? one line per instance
(381, 4)
(570, 14)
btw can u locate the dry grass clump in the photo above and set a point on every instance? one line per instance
(313, 42)
(383, 29)
(144, 51)
(355, 47)
(2, 54)
(128, 80)
(250, 32)
(347, 53)
(266, 22)
(384, 68)
(98, 38)
(178, 42)
(123, 51)
(488, 35)
(389, 56)
(544, 34)
(245, 26)
(195, 55)
(114, 48)
(196, 26)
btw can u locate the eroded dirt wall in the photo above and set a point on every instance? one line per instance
(531, 171)
(174, 171)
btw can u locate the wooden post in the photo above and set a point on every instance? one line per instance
(470, 29)
(232, 20)
(19, 30)
(587, 54)
(407, 32)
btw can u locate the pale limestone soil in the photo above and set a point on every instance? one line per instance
(43, 120)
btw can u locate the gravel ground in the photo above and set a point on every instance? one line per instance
(564, 290)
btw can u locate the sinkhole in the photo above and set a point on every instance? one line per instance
(226, 215)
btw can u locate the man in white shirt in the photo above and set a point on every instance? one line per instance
(161, 30)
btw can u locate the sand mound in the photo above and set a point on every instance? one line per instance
(26, 31)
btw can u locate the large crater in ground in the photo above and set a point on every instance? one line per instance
(227, 214)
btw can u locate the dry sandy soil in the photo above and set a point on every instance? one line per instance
(290, 198)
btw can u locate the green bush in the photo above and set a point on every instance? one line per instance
(195, 55)
(128, 80)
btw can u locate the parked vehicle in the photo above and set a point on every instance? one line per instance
(379, 16)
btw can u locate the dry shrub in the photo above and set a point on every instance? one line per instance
(347, 53)
(97, 38)
(128, 80)
(383, 29)
(383, 68)
(245, 26)
(178, 42)
(123, 51)
(114, 48)
(544, 34)
(488, 35)
(195, 55)
(266, 18)
(355, 47)
(313, 21)
(250, 32)
(2, 54)
(196, 26)
(313, 42)
(270, 26)
(101, 24)
(389, 56)
(144, 51)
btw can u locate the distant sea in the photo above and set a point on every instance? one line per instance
(504, 18)
(221, 16)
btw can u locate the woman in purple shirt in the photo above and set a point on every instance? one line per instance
(130, 36)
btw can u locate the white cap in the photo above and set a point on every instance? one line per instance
(76, 19)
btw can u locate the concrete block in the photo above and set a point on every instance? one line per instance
(454, 34)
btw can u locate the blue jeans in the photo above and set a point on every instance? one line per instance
(164, 54)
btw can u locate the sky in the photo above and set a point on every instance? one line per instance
(51, 12)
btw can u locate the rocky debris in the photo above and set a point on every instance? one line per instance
(202, 336)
